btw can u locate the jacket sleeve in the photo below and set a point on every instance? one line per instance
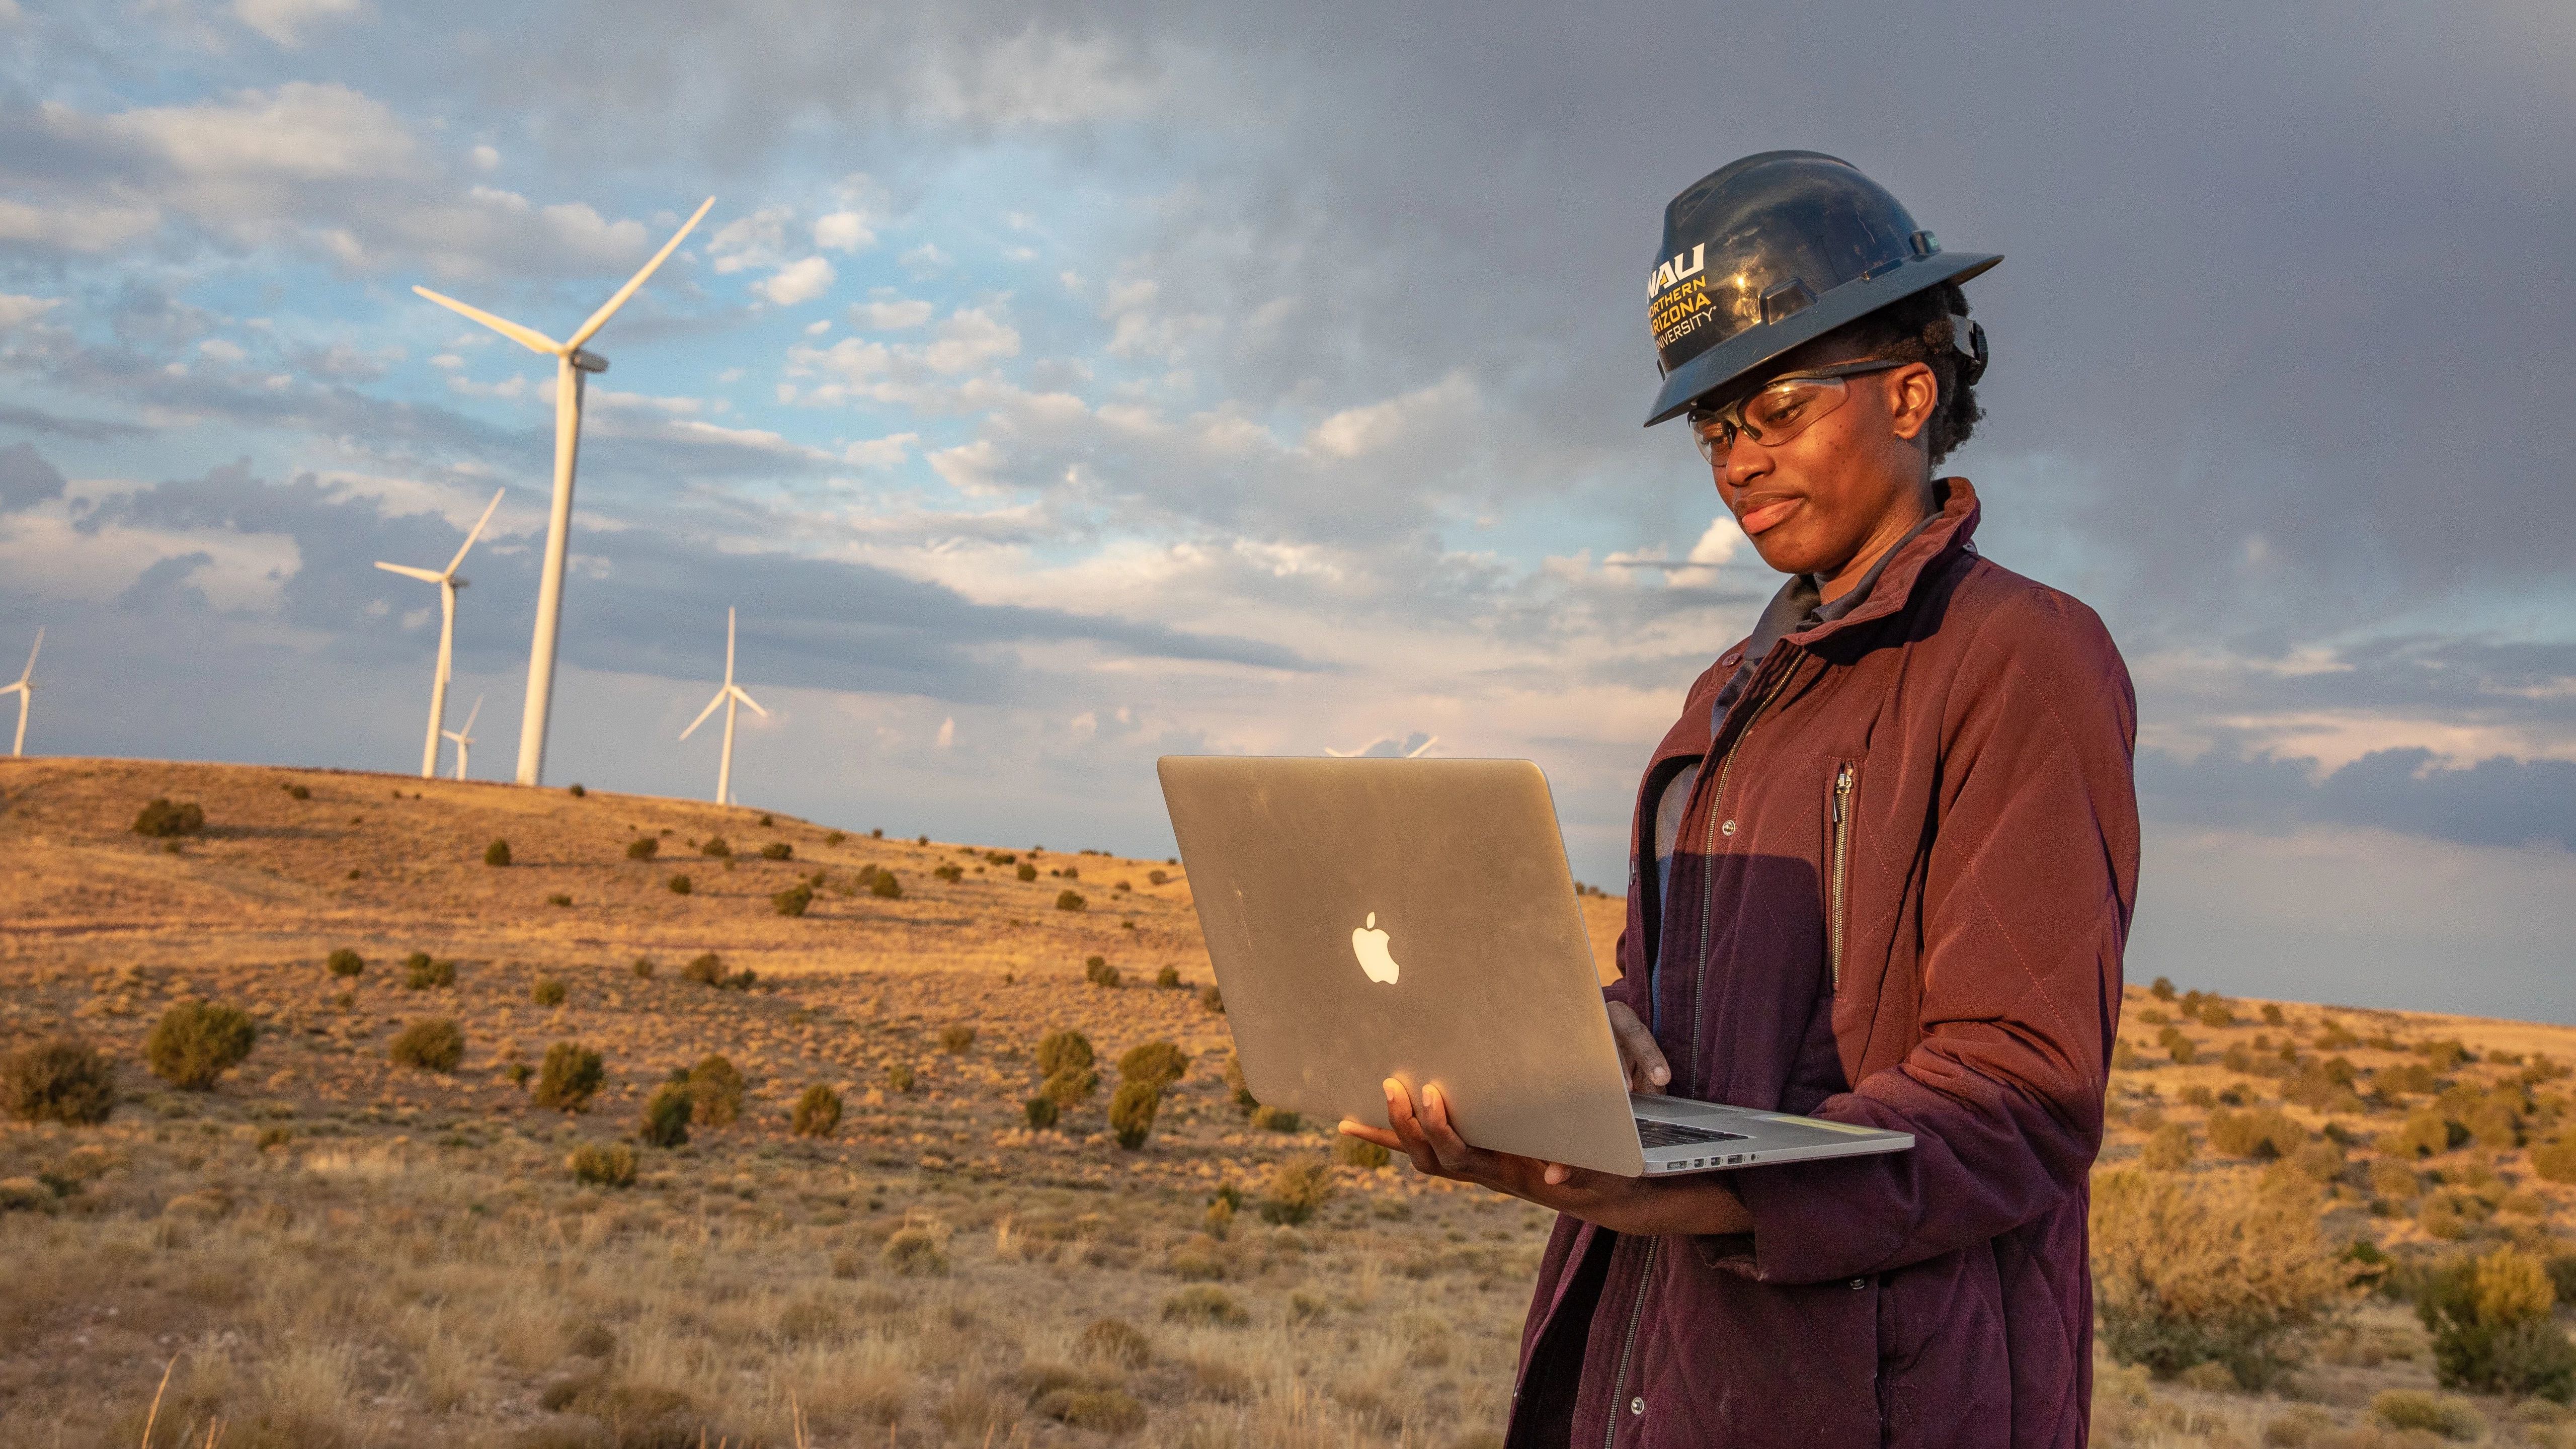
(2028, 885)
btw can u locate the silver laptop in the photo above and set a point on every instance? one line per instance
(1415, 919)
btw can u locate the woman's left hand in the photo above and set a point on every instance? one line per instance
(1702, 1204)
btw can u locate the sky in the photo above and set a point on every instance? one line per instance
(1052, 394)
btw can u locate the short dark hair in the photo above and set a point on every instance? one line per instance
(1915, 329)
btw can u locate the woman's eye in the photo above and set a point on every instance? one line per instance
(1780, 409)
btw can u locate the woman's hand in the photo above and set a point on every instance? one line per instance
(1644, 1061)
(1703, 1204)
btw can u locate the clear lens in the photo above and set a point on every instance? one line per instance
(1770, 417)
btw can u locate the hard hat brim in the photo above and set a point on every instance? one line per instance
(1756, 346)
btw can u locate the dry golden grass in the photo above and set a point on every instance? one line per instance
(331, 1249)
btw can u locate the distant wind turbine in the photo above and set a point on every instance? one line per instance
(448, 583)
(1417, 752)
(571, 362)
(465, 737)
(25, 689)
(728, 697)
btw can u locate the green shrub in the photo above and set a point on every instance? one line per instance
(569, 1078)
(197, 1042)
(949, 873)
(644, 848)
(2555, 1160)
(547, 992)
(2261, 1132)
(643, 967)
(577, 792)
(900, 1078)
(2490, 1321)
(679, 885)
(1071, 1085)
(2179, 1048)
(716, 847)
(1041, 1112)
(1131, 1112)
(423, 974)
(62, 1080)
(835, 837)
(1211, 999)
(2192, 1269)
(497, 853)
(666, 1116)
(1205, 1303)
(434, 1045)
(1062, 1049)
(1295, 1191)
(1361, 1153)
(2436, 1414)
(818, 1112)
(717, 1088)
(1169, 978)
(793, 900)
(955, 1038)
(2424, 1135)
(705, 968)
(1026, 871)
(917, 1252)
(162, 820)
(1116, 1342)
(777, 850)
(1102, 1411)
(2393, 1179)
(1156, 877)
(610, 1164)
(1277, 1119)
(884, 886)
(1156, 1062)
(1098, 971)
(2215, 1014)
(2168, 1149)
(345, 962)
(1235, 1084)
(1069, 901)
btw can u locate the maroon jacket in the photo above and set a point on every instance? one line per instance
(1901, 891)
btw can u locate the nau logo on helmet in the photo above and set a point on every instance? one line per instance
(1670, 274)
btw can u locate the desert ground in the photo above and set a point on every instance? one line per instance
(333, 1248)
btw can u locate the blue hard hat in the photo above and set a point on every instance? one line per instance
(1774, 251)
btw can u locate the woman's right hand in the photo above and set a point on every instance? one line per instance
(1638, 1054)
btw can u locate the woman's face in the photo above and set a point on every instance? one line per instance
(1846, 486)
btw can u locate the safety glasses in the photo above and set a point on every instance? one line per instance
(1780, 409)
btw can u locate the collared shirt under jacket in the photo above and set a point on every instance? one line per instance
(1899, 897)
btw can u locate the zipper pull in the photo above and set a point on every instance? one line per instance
(1842, 792)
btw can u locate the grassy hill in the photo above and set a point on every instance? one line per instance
(334, 1248)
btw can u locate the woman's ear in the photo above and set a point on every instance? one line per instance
(1913, 392)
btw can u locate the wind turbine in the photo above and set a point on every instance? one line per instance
(25, 689)
(465, 737)
(448, 583)
(728, 696)
(1417, 752)
(571, 362)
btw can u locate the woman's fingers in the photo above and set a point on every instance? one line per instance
(1647, 1071)
(1352, 1127)
(1407, 1130)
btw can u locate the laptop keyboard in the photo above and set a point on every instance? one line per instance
(1652, 1133)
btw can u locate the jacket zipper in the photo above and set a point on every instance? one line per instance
(1843, 783)
(1628, 1350)
(1708, 851)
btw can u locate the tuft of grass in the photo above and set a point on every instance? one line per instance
(1069, 901)
(818, 1112)
(1116, 1342)
(900, 1078)
(956, 1037)
(666, 1116)
(345, 962)
(917, 1252)
(1296, 1191)
(1277, 1119)
(196, 1042)
(497, 853)
(163, 820)
(1361, 1153)
(2436, 1414)
(434, 1045)
(63, 1080)
(610, 1164)
(1205, 1303)
(678, 885)
(2169, 1149)
(547, 992)
(717, 1088)
(571, 1075)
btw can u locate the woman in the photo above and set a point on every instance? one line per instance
(1882, 870)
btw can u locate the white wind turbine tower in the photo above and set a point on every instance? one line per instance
(465, 737)
(571, 361)
(728, 696)
(25, 689)
(448, 583)
(1417, 752)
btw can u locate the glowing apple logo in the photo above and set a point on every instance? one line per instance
(1369, 944)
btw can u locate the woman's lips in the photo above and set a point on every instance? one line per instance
(1759, 520)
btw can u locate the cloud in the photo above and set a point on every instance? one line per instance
(891, 316)
(798, 281)
(284, 21)
(844, 231)
(26, 478)
(18, 311)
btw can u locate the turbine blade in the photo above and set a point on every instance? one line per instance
(1337, 754)
(32, 653)
(476, 532)
(471, 713)
(407, 571)
(1418, 751)
(608, 308)
(728, 647)
(527, 337)
(702, 715)
(736, 691)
